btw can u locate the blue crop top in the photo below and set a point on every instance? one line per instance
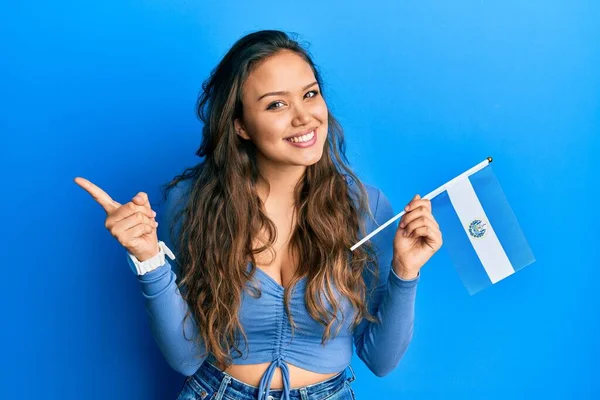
(264, 319)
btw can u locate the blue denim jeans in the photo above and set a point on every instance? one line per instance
(210, 383)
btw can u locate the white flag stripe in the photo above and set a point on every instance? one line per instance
(488, 248)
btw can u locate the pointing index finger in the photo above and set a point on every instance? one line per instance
(98, 194)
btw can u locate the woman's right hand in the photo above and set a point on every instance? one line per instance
(132, 224)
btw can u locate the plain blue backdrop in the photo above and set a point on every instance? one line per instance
(424, 90)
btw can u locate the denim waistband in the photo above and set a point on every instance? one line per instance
(219, 381)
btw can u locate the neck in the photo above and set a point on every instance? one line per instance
(280, 182)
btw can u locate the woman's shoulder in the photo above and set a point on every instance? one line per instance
(181, 188)
(378, 202)
(176, 194)
(177, 191)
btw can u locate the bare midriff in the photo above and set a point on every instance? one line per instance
(252, 373)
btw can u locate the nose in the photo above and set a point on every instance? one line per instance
(302, 116)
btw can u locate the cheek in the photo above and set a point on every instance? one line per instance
(269, 128)
(320, 111)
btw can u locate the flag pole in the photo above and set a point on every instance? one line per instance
(429, 196)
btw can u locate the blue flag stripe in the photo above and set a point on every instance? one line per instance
(502, 218)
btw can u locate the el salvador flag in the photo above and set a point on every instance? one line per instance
(480, 230)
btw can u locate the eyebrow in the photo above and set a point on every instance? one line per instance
(284, 93)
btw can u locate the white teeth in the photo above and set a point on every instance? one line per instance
(303, 138)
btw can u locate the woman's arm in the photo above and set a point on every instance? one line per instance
(382, 345)
(164, 304)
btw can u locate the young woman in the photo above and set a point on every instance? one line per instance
(260, 296)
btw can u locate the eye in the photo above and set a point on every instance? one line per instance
(314, 93)
(272, 105)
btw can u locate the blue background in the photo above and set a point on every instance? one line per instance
(424, 89)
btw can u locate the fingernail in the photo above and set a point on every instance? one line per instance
(407, 208)
(154, 213)
(138, 198)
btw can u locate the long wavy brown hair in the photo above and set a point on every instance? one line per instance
(223, 214)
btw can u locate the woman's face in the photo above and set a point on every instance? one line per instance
(281, 99)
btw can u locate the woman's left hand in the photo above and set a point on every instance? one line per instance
(417, 238)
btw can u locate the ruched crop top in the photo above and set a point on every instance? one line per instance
(269, 335)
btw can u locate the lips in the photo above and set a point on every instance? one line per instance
(301, 133)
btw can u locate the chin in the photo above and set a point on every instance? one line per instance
(311, 159)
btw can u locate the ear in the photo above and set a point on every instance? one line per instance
(240, 129)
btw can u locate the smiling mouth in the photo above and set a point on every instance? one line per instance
(306, 137)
